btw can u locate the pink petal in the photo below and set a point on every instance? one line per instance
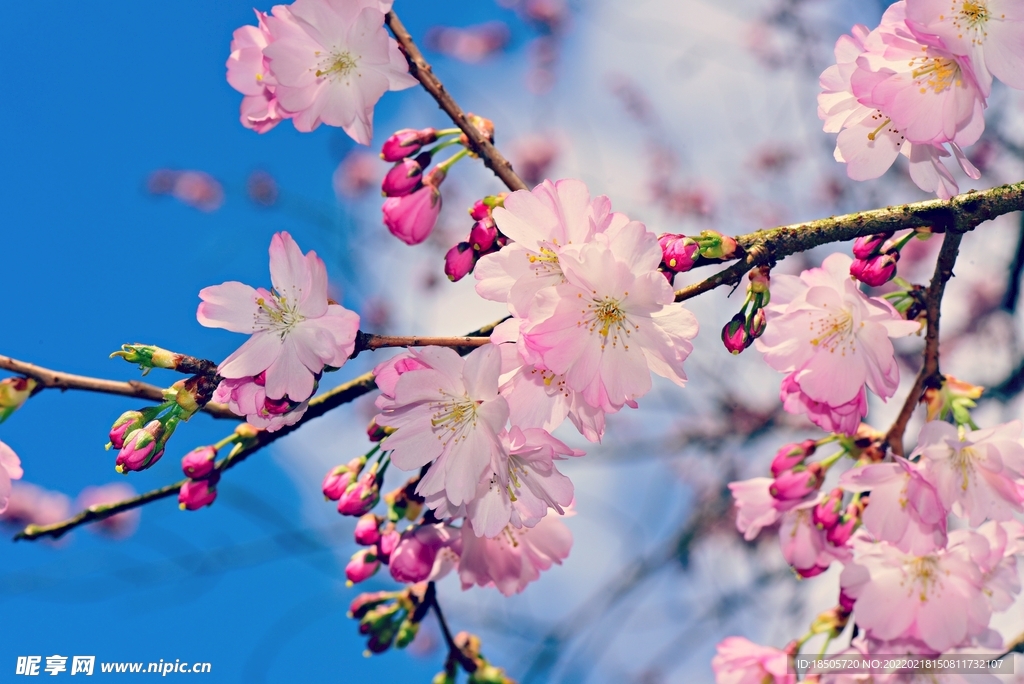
(231, 305)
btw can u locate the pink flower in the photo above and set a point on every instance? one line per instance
(804, 545)
(833, 339)
(363, 565)
(406, 142)
(977, 472)
(248, 73)
(28, 504)
(367, 532)
(361, 496)
(904, 508)
(426, 552)
(844, 418)
(403, 178)
(995, 546)
(295, 330)
(541, 223)
(387, 373)
(612, 322)
(987, 31)
(935, 598)
(412, 217)
(118, 526)
(523, 483)
(459, 261)
(10, 469)
(876, 271)
(449, 414)
(248, 397)
(340, 478)
(514, 558)
(332, 63)
(195, 494)
(740, 661)
(755, 506)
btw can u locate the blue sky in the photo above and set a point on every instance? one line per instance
(96, 97)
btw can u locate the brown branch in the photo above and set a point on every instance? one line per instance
(929, 375)
(959, 215)
(420, 69)
(51, 379)
(366, 341)
(430, 599)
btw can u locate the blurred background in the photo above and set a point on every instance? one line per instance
(129, 184)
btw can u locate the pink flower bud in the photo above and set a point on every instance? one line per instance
(459, 261)
(845, 602)
(387, 543)
(810, 572)
(797, 483)
(411, 218)
(678, 252)
(406, 142)
(839, 534)
(128, 422)
(480, 210)
(403, 178)
(826, 514)
(195, 494)
(199, 463)
(361, 496)
(791, 455)
(756, 325)
(483, 235)
(13, 393)
(142, 448)
(375, 432)
(869, 245)
(363, 565)
(877, 270)
(368, 530)
(412, 559)
(339, 479)
(734, 334)
(364, 603)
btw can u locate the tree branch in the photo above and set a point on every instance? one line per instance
(478, 143)
(929, 375)
(366, 341)
(959, 215)
(51, 379)
(430, 599)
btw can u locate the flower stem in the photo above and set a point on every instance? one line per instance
(447, 163)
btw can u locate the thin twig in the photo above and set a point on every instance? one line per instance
(478, 143)
(959, 214)
(430, 598)
(51, 379)
(365, 341)
(929, 375)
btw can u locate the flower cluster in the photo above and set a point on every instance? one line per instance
(918, 85)
(317, 61)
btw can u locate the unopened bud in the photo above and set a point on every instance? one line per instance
(195, 494)
(148, 356)
(714, 245)
(13, 393)
(142, 448)
(483, 234)
(678, 252)
(199, 462)
(368, 530)
(128, 422)
(361, 496)
(734, 334)
(406, 142)
(790, 456)
(404, 177)
(362, 567)
(827, 513)
(869, 245)
(797, 483)
(339, 479)
(876, 271)
(459, 261)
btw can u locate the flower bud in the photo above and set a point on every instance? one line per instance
(360, 497)
(368, 530)
(678, 252)
(128, 422)
(142, 448)
(459, 261)
(483, 234)
(148, 356)
(483, 208)
(846, 602)
(199, 462)
(483, 125)
(714, 245)
(798, 483)
(831, 622)
(13, 393)
(195, 494)
(365, 602)
(790, 456)
(840, 533)
(756, 326)
(760, 280)
(734, 334)
(406, 142)
(387, 543)
(339, 479)
(875, 271)
(403, 178)
(869, 245)
(363, 565)
(406, 633)
(412, 559)
(827, 513)
(954, 398)
(376, 433)
(412, 218)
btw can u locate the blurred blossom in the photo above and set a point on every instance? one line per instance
(632, 98)
(376, 314)
(773, 158)
(983, 154)
(470, 44)
(550, 14)
(118, 526)
(543, 55)
(358, 173)
(195, 188)
(532, 156)
(262, 188)
(32, 505)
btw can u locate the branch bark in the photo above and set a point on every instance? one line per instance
(52, 379)
(420, 69)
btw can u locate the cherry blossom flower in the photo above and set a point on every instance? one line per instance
(248, 397)
(523, 483)
(804, 545)
(333, 62)
(833, 340)
(994, 547)
(975, 472)
(904, 509)
(32, 505)
(248, 73)
(426, 552)
(10, 469)
(295, 330)
(987, 31)
(935, 598)
(612, 321)
(541, 223)
(513, 558)
(740, 661)
(449, 414)
(756, 508)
